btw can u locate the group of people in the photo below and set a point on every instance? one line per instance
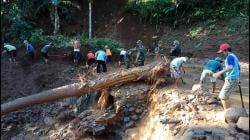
(213, 69)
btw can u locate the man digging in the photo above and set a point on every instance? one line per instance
(211, 67)
(232, 70)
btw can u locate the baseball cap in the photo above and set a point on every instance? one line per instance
(223, 47)
(218, 59)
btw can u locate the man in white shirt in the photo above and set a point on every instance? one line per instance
(176, 68)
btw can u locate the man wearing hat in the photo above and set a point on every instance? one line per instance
(232, 70)
(141, 52)
(211, 67)
(176, 50)
(29, 49)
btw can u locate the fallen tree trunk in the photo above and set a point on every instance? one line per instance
(150, 73)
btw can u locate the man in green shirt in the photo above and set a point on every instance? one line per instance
(141, 51)
(11, 50)
(44, 52)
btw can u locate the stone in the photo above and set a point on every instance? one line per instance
(243, 124)
(49, 120)
(229, 138)
(211, 101)
(195, 88)
(130, 124)
(139, 110)
(126, 119)
(98, 130)
(232, 129)
(131, 109)
(134, 117)
(187, 135)
(190, 97)
(232, 114)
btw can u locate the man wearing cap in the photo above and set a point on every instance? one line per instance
(176, 50)
(44, 52)
(232, 70)
(29, 49)
(211, 67)
(176, 68)
(122, 54)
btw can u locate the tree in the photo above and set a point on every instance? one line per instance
(152, 73)
(56, 3)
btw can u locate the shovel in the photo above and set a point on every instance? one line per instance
(242, 103)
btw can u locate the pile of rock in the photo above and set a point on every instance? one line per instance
(131, 103)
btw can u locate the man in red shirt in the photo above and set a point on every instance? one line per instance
(90, 59)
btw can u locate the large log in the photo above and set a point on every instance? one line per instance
(150, 73)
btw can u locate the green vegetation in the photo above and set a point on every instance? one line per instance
(62, 41)
(176, 12)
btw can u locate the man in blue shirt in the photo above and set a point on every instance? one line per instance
(232, 70)
(101, 57)
(211, 67)
(29, 49)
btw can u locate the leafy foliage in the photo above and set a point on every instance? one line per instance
(186, 11)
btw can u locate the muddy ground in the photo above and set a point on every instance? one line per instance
(24, 78)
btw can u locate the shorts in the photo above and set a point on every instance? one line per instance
(207, 73)
(91, 61)
(175, 73)
(12, 53)
(122, 58)
(45, 55)
(77, 55)
(228, 88)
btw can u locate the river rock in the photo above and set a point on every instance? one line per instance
(211, 101)
(134, 117)
(130, 124)
(243, 124)
(190, 97)
(232, 114)
(131, 109)
(126, 119)
(138, 110)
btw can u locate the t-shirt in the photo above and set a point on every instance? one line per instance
(29, 48)
(108, 52)
(45, 49)
(177, 62)
(91, 56)
(175, 51)
(9, 48)
(213, 66)
(123, 52)
(100, 55)
(233, 60)
(76, 46)
(142, 52)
